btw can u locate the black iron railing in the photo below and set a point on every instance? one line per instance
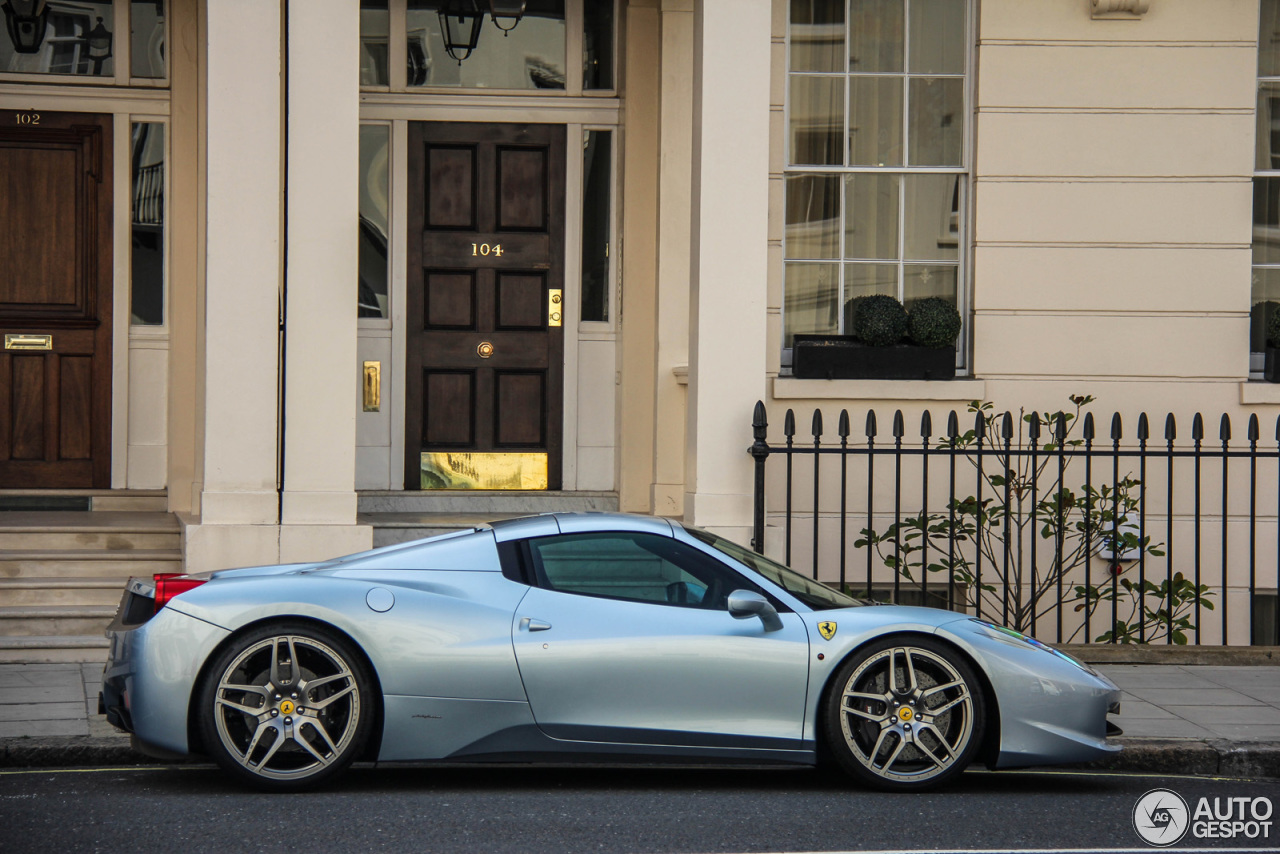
(1035, 521)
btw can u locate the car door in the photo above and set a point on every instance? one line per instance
(626, 637)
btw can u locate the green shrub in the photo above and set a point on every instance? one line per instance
(879, 321)
(934, 322)
(1273, 325)
(1260, 317)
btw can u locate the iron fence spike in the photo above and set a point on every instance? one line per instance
(1088, 429)
(1144, 429)
(871, 424)
(1117, 428)
(843, 428)
(926, 425)
(1033, 426)
(1253, 427)
(1006, 426)
(1197, 427)
(1170, 427)
(789, 424)
(1224, 428)
(898, 429)
(953, 425)
(817, 424)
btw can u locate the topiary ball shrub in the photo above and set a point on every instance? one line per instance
(879, 320)
(933, 322)
(1273, 325)
(850, 310)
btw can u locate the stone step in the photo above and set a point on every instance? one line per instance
(391, 528)
(52, 620)
(116, 531)
(483, 502)
(99, 563)
(67, 591)
(108, 500)
(36, 649)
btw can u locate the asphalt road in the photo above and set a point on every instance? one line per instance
(522, 809)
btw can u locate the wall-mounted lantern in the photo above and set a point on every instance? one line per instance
(507, 10)
(26, 21)
(98, 45)
(460, 22)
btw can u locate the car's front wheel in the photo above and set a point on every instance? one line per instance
(905, 714)
(286, 707)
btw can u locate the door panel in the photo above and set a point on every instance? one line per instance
(614, 670)
(55, 291)
(485, 367)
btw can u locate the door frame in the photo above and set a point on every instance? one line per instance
(387, 335)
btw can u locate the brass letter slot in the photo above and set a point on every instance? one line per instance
(372, 386)
(555, 309)
(28, 342)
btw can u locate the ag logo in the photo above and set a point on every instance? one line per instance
(827, 629)
(1161, 817)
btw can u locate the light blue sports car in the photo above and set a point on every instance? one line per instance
(568, 637)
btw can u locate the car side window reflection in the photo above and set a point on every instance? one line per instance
(634, 566)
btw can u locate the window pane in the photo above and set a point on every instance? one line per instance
(817, 35)
(597, 46)
(146, 17)
(1266, 220)
(937, 36)
(66, 39)
(875, 121)
(875, 36)
(817, 120)
(1266, 301)
(813, 216)
(932, 217)
(1268, 143)
(374, 181)
(597, 217)
(530, 56)
(929, 280)
(375, 30)
(1269, 39)
(871, 216)
(812, 299)
(937, 121)
(147, 292)
(863, 280)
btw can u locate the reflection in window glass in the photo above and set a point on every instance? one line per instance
(817, 36)
(375, 28)
(147, 293)
(811, 300)
(813, 216)
(597, 222)
(146, 18)
(817, 120)
(60, 38)
(1265, 290)
(530, 56)
(374, 205)
(597, 45)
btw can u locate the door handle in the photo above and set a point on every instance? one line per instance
(533, 625)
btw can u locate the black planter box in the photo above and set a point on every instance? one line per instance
(840, 357)
(1271, 365)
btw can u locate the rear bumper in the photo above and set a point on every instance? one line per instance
(151, 674)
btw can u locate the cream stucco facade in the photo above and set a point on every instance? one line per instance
(1107, 230)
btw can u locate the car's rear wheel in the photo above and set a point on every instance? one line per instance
(286, 707)
(905, 714)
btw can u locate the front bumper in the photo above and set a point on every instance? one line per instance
(151, 674)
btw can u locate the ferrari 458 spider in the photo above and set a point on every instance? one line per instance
(566, 637)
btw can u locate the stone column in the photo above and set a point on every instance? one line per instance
(729, 258)
(319, 504)
(238, 503)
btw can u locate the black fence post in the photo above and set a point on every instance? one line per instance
(760, 453)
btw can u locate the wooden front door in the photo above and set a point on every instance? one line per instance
(485, 360)
(55, 300)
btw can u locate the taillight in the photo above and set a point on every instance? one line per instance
(170, 584)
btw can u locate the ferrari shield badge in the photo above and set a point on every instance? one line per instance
(827, 629)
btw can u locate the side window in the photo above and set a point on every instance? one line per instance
(634, 566)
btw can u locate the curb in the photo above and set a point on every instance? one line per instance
(1209, 757)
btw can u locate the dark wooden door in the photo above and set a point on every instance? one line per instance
(485, 360)
(55, 299)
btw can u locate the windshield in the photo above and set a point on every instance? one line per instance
(817, 596)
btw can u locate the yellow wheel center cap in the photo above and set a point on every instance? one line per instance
(906, 714)
(286, 707)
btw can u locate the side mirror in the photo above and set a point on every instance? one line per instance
(745, 604)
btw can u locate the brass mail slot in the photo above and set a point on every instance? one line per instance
(372, 386)
(481, 470)
(27, 342)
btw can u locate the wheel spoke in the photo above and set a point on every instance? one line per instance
(912, 683)
(893, 672)
(277, 678)
(893, 757)
(929, 692)
(327, 701)
(867, 715)
(301, 740)
(924, 748)
(859, 695)
(246, 689)
(310, 684)
(324, 734)
(241, 707)
(945, 706)
(263, 727)
(271, 751)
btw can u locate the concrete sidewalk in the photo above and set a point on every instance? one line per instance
(1190, 719)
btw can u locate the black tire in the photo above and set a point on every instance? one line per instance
(286, 707)
(918, 732)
